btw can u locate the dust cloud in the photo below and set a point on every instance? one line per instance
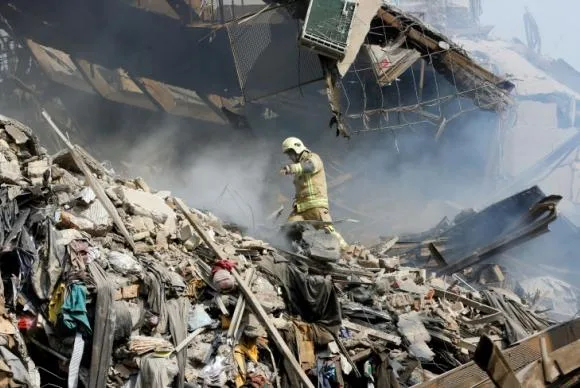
(401, 182)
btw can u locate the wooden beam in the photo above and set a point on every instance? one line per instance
(390, 338)
(249, 295)
(189, 338)
(567, 358)
(239, 310)
(432, 45)
(490, 358)
(93, 183)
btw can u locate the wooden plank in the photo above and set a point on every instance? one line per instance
(239, 310)
(362, 355)
(391, 338)
(490, 358)
(567, 358)
(93, 183)
(443, 294)
(249, 295)
(389, 244)
(432, 45)
(188, 339)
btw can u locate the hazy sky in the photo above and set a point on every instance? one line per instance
(557, 20)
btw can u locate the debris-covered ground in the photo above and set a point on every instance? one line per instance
(107, 282)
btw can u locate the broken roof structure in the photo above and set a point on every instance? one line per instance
(126, 286)
(259, 58)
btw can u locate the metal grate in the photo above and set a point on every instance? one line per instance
(268, 56)
(518, 356)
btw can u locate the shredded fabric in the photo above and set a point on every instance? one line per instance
(74, 308)
(228, 265)
(56, 302)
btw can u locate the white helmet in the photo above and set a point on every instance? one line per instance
(295, 144)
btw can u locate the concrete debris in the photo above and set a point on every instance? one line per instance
(142, 203)
(9, 168)
(16, 134)
(36, 171)
(182, 312)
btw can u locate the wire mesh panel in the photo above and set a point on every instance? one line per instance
(268, 56)
(402, 80)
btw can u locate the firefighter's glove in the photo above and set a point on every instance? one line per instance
(291, 169)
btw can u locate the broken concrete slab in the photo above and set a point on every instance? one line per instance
(112, 194)
(140, 182)
(141, 236)
(18, 136)
(185, 231)
(87, 195)
(145, 204)
(9, 170)
(163, 194)
(36, 170)
(141, 224)
(98, 216)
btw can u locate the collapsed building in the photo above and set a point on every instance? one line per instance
(417, 72)
(108, 282)
(387, 73)
(127, 286)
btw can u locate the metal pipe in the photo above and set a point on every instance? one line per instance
(47, 349)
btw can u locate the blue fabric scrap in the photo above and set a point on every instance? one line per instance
(74, 308)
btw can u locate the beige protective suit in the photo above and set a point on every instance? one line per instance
(311, 198)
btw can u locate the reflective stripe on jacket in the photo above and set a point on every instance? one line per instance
(310, 183)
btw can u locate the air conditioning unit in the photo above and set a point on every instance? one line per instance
(327, 26)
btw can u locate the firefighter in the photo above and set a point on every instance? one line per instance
(311, 198)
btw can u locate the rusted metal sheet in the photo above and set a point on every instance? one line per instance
(567, 358)
(180, 101)
(115, 85)
(58, 66)
(519, 356)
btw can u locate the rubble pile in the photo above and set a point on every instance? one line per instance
(148, 304)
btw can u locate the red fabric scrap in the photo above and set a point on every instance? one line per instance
(228, 265)
(26, 322)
